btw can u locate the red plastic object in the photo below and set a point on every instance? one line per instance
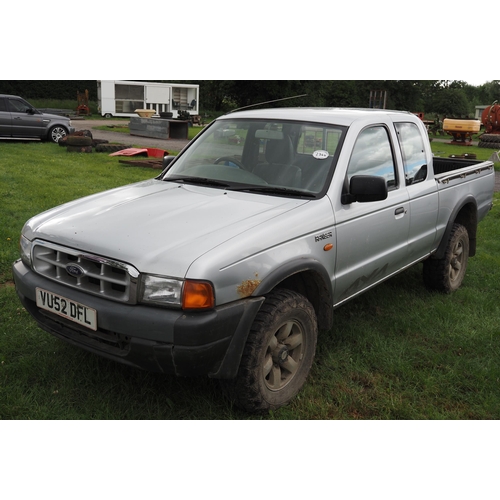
(156, 153)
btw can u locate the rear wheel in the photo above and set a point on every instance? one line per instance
(446, 274)
(278, 354)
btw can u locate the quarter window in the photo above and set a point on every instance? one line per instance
(412, 149)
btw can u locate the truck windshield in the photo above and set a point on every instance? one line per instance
(296, 158)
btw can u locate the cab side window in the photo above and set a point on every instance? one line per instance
(17, 106)
(3, 107)
(412, 149)
(372, 155)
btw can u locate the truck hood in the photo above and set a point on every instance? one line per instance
(156, 226)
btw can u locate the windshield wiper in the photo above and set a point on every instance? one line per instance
(197, 180)
(275, 190)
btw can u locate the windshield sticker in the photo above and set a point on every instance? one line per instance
(320, 154)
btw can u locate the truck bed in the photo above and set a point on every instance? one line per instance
(443, 165)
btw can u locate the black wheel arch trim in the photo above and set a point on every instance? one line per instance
(230, 364)
(321, 297)
(469, 221)
(289, 269)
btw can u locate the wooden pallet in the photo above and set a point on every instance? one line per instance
(154, 163)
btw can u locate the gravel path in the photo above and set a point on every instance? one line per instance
(131, 140)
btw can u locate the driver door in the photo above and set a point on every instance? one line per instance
(24, 122)
(371, 236)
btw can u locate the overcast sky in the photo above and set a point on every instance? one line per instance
(266, 41)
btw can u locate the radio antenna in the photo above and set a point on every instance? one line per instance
(267, 102)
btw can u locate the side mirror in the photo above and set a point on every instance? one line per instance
(365, 188)
(167, 160)
(30, 111)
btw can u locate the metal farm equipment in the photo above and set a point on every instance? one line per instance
(490, 119)
(83, 103)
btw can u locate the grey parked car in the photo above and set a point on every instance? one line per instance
(20, 120)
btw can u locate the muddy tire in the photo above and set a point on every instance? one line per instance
(85, 133)
(278, 354)
(446, 274)
(110, 148)
(78, 140)
(490, 138)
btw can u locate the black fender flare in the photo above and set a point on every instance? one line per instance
(230, 364)
(288, 269)
(469, 221)
(309, 277)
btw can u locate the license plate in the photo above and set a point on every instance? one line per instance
(67, 308)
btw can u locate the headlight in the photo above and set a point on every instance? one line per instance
(188, 294)
(161, 291)
(25, 250)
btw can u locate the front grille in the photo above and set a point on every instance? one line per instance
(94, 274)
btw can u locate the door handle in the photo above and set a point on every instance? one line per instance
(400, 211)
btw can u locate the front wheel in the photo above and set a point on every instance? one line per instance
(57, 132)
(278, 354)
(446, 274)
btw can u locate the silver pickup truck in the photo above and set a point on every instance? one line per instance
(230, 261)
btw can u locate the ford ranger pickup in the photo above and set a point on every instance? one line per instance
(229, 262)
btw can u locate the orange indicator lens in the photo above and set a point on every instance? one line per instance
(197, 295)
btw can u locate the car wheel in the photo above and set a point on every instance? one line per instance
(446, 274)
(278, 354)
(56, 132)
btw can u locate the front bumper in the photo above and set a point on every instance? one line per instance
(155, 339)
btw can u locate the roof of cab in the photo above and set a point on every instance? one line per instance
(337, 116)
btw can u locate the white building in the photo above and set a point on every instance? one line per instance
(122, 98)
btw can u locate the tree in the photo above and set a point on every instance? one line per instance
(489, 92)
(450, 99)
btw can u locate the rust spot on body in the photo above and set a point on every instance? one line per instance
(247, 287)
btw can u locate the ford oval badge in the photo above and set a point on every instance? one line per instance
(75, 270)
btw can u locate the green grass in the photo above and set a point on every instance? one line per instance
(444, 149)
(397, 352)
